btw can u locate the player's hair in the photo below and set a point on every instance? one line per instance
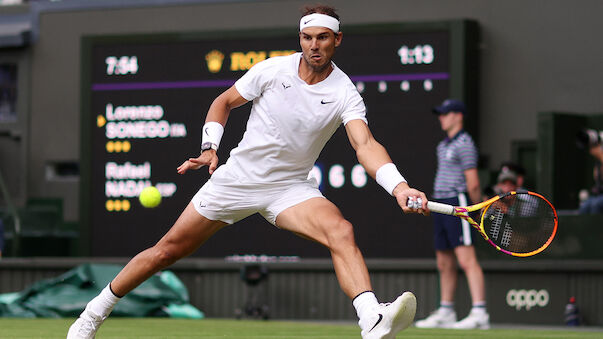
(319, 8)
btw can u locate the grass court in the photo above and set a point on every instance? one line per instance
(165, 328)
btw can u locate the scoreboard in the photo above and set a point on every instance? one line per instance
(144, 101)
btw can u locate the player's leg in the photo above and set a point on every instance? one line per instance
(478, 317)
(320, 220)
(189, 232)
(186, 235)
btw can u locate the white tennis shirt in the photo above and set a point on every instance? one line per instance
(290, 121)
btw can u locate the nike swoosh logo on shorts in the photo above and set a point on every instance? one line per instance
(378, 321)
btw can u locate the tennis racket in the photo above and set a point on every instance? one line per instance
(519, 223)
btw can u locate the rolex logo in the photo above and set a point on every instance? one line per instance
(214, 61)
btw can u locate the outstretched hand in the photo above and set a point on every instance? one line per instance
(208, 158)
(403, 193)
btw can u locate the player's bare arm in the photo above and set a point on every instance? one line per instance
(218, 113)
(373, 156)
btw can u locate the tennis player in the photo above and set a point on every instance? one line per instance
(299, 101)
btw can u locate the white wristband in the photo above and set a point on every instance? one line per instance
(212, 132)
(388, 177)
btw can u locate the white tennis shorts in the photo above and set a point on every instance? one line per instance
(229, 200)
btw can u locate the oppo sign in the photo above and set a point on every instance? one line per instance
(527, 298)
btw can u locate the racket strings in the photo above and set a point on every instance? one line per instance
(520, 223)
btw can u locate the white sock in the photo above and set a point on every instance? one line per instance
(364, 302)
(103, 304)
(446, 307)
(479, 307)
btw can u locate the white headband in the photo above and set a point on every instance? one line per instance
(321, 20)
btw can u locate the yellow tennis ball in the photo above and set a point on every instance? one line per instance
(150, 197)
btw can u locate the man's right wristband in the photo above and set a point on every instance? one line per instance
(388, 177)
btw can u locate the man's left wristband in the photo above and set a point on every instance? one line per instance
(211, 136)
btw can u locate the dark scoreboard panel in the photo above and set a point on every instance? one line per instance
(145, 98)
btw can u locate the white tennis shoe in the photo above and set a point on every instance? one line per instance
(440, 318)
(387, 320)
(85, 326)
(479, 320)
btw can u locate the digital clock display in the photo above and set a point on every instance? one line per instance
(418, 55)
(123, 65)
(145, 99)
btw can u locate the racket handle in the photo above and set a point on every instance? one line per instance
(440, 208)
(432, 205)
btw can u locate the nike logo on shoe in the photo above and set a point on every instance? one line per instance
(326, 102)
(378, 321)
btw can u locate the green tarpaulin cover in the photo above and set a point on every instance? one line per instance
(163, 295)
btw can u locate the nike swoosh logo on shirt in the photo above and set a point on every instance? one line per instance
(326, 102)
(378, 321)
